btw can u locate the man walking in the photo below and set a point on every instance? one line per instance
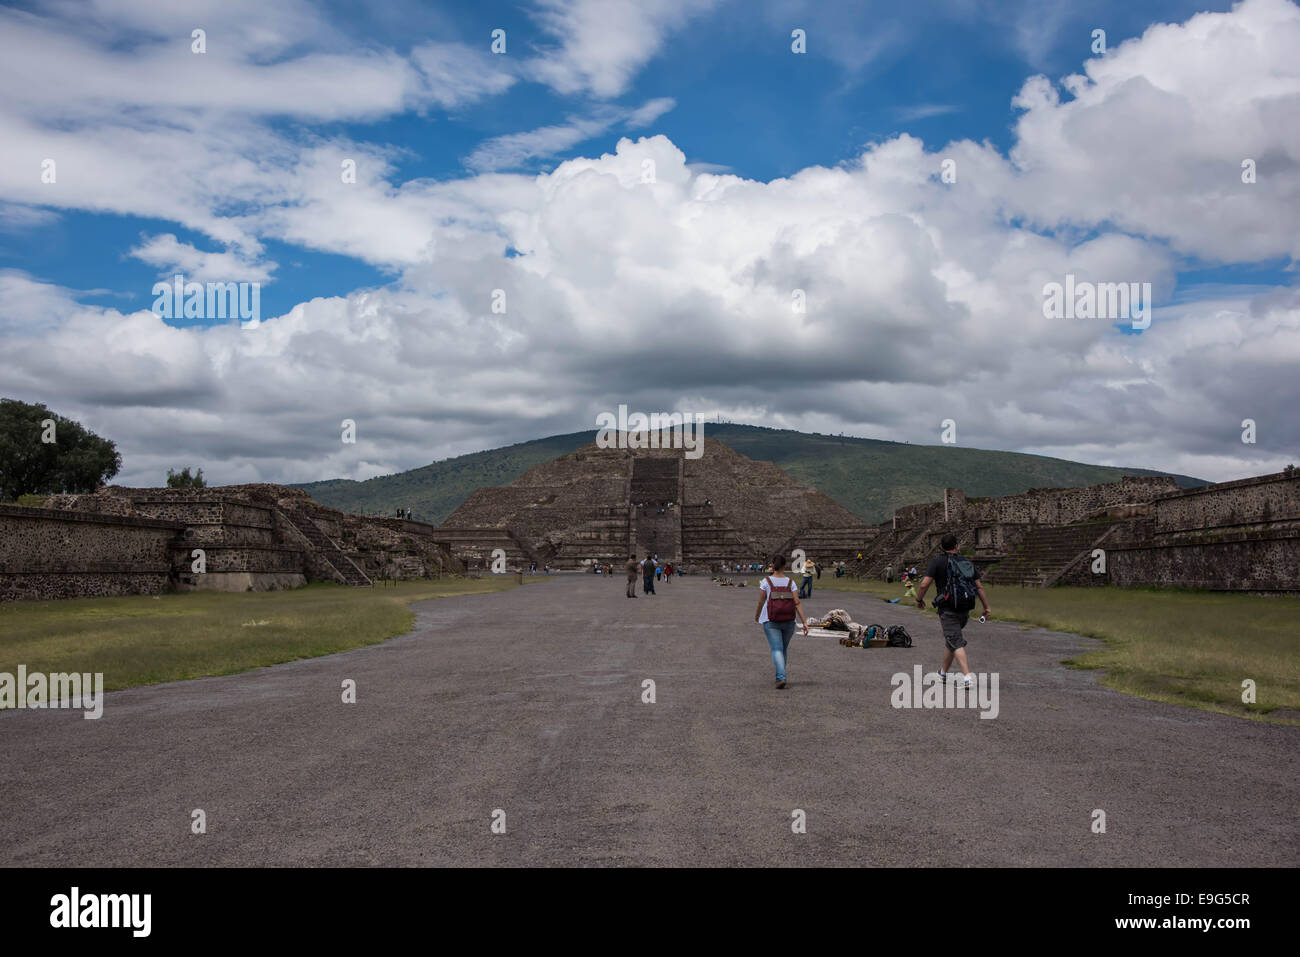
(631, 576)
(648, 576)
(957, 583)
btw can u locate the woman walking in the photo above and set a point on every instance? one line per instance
(778, 607)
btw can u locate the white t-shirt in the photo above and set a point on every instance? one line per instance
(779, 582)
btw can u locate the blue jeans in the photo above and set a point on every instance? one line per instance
(648, 585)
(778, 635)
(805, 588)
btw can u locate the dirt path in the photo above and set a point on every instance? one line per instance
(530, 701)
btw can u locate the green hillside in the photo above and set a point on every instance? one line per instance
(867, 476)
(432, 492)
(872, 478)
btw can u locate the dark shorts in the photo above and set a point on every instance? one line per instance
(952, 622)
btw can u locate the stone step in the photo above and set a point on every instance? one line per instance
(333, 555)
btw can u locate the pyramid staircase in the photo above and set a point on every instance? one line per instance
(709, 539)
(895, 548)
(1048, 552)
(345, 569)
(828, 545)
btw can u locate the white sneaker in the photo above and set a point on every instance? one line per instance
(969, 681)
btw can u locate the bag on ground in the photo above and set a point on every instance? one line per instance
(896, 636)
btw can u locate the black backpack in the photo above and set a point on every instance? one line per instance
(896, 636)
(959, 593)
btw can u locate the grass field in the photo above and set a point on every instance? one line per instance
(142, 640)
(1183, 647)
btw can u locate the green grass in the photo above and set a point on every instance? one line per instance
(141, 640)
(1182, 647)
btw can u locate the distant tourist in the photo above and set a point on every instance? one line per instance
(648, 576)
(631, 576)
(957, 583)
(819, 571)
(889, 574)
(805, 589)
(778, 607)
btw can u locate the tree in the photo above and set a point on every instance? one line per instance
(44, 453)
(183, 478)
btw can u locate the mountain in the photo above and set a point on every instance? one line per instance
(869, 477)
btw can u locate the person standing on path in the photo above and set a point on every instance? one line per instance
(631, 576)
(778, 606)
(805, 588)
(648, 576)
(957, 583)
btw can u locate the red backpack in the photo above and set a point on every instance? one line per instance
(780, 602)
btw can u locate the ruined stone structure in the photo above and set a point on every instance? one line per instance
(46, 553)
(1242, 535)
(600, 505)
(251, 537)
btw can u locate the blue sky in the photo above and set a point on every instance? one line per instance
(774, 168)
(742, 103)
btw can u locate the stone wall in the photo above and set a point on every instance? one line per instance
(213, 522)
(1261, 500)
(474, 546)
(1052, 506)
(1260, 561)
(1242, 535)
(134, 541)
(917, 516)
(1239, 536)
(46, 553)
